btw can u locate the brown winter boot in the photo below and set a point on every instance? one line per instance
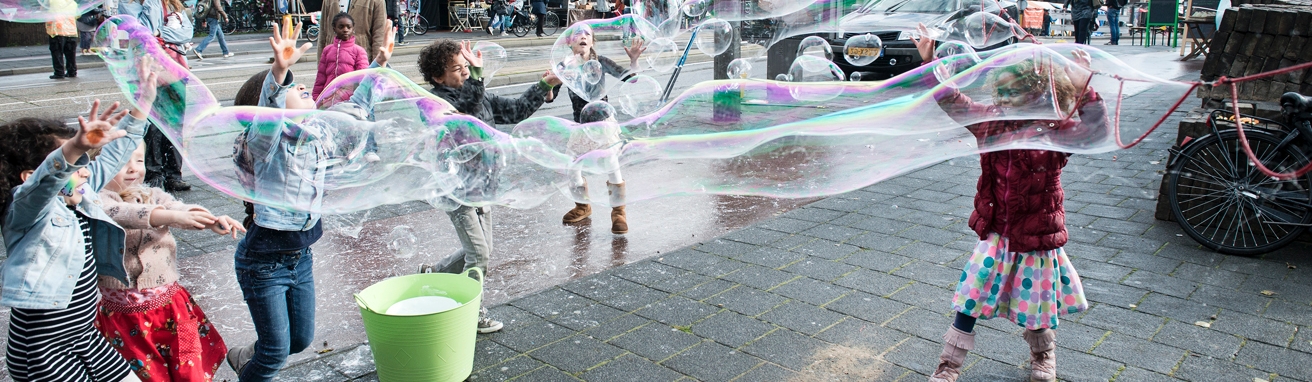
(619, 224)
(1043, 357)
(580, 210)
(956, 344)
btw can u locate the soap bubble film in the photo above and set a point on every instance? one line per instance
(40, 11)
(862, 50)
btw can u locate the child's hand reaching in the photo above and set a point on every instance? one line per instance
(385, 53)
(94, 131)
(475, 58)
(147, 86)
(194, 219)
(1080, 72)
(224, 225)
(285, 52)
(924, 44)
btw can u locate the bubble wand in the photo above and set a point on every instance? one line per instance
(669, 87)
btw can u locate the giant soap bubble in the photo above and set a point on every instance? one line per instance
(815, 46)
(815, 69)
(589, 51)
(714, 37)
(494, 57)
(39, 11)
(862, 50)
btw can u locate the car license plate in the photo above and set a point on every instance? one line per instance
(862, 52)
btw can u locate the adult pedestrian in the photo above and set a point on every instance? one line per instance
(150, 13)
(1082, 15)
(1114, 19)
(63, 47)
(370, 23)
(540, 10)
(394, 10)
(214, 18)
(1047, 24)
(86, 28)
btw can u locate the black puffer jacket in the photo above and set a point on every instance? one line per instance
(1082, 9)
(492, 109)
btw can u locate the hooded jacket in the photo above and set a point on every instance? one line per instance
(342, 57)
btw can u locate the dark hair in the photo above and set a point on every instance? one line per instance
(339, 16)
(24, 144)
(435, 59)
(249, 95)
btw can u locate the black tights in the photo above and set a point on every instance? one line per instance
(966, 323)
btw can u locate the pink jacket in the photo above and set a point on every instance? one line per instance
(150, 254)
(341, 57)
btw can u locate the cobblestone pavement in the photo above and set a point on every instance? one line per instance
(858, 287)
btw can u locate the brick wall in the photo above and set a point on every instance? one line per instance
(23, 34)
(1258, 38)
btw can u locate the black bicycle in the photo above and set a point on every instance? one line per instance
(1224, 202)
(523, 21)
(245, 15)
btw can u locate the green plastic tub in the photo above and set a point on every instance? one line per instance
(434, 347)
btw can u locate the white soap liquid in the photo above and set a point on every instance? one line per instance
(418, 306)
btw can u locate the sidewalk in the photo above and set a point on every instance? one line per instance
(857, 287)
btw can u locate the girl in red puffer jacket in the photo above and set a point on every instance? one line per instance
(1018, 270)
(342, 57)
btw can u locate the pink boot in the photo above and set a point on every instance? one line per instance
(1043, 357)
(956, 344)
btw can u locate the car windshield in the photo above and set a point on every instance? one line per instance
(915, 6)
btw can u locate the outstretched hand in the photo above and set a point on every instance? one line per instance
(924, 44)
(385, 52)
(1080, 72)
(635, 49)
(94, 131)
(285, 52)
(147, 85)
(467, 51)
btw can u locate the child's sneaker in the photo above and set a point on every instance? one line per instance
(487, 324)
(238, 357)
(372, 157)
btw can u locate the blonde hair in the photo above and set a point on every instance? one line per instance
(135, 194)
(174, 5)
(1040, 76)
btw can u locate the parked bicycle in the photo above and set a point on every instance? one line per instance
(245, 15)
(411, 21)
(523, 21)
(1224, 202)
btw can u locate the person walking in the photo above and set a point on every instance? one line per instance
(214, 18)
(394, 8)
(540, 10)
(370, 24)
(1082, 15)
(63, 47)
(1114, 19)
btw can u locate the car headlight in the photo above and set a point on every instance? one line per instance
(905, 35)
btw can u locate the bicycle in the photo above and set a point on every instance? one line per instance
(245, 15)
(411, 20)
(522, 21)
(1220, 198)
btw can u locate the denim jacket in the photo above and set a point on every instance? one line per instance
(290, 165)
(43, 237)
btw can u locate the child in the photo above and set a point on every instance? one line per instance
(153, 321)
(59, 241)
(273, 262)
(1018, 211)
(582, 44)
(342, 57)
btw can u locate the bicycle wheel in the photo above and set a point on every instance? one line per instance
(552, 24)
(1224, 203)
(421, 26)
(312, 32)
(520, 25)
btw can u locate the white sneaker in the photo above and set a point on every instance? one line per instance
(198, 56)
(487, 324)
(228, 55)
(504, 34)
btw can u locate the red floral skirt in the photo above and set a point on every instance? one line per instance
(162, 333)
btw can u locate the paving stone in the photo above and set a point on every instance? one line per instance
(999, 346)
(826, 249)
(1110, 293)
(881, 225)
(756, 236)
(1078, 336)
(678, 311)
(634, 299)
(1191, 253)
(357, 362)
(655, 341)
(921, 294)
(921, 322)
(1177, 309)
(785, 348)
(862, 334)
(706, 290)
(768, 372)
(576, 354)
(820, 268)
(1254, 328)
(928, 273)
(867, 307)
(1137, 352)
(987, 370)
(1287, 290)
(511, 368)
(710, 361)
(1119, 320)
(1303, 341)
(1119, 226)
(877, 283)
(683, 281)
(630, 368)
(877, 260)
(1161, 283)
(1081, 366)
(1206, 368)
(1289, 312)
(802, 317)
(551, 302)
(747, 300)
(486, 353)
(930, 252)
(689, 259)
(1253, 266)
(1209, 275)
(840, 203)
(817, 215)
(548, 374)
(1289, 363)
(849, 219)
(616, 327)
(759, 277)
(832, 232)
(932, 235)
(811, 291)
(731, 329)
(646, 272)
(1132, 373)
(917, 354)
(722, 268)
(314, 371)
(1100, 271)
(600, 287)
(1230, 299)
(1080, 234)
(1198, 339)
(529, 336)
(791, 242)
(586, 317)
(1146, 262)
(879, 241)
(768, 257)
(725, 248)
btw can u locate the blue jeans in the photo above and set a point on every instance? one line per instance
(279, 292)
(216, 31)
(1113, 20)
(500, 21)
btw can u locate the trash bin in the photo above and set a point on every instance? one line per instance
(431, 347)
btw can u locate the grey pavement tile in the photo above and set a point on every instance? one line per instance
(802, 317)
(358, 362)
(630, 368)
(849, 219)
(818, 215)
(710, 361)
(1079, 234)
(767, 372)
(987, 370)
(932, 235)
(1255, 328)
(314, 371)
(512, 316)
(1192, 253)
(864, 335)
(646, 272)
(1110, 292)
(655, 341)
(1081, 366)
(1161, 283)
(1303, 341)
(832, 232)
(682, 281)
(1178, 309)
(826, 249)
(1146, 262)
(373, 377)
(1289, 363)
(689, 259)
(840, 204)
(725, 248)
(877, 283)
(769, 257)
(547, 373)
(1198, 339)
(731, 329)
(820, 268)
(1089, 252)
(792, 242)
(616, 327)
(1300, 314)
(721, 268)
(755, 236)
(600, 287)
(917, 354)
(1100, 271)
(922, 323)
(1078, 336)
(586, 317)
(488, 353)
(931, 195)
(931, 252)
(785, 348)
(929, 273)
(1253, 266)
(1123, 321)
(1002, 347)
(1284, 289)
(811, 291)
(634, 299)
(531, 336)
(576, 354)
(921, 294)
(1231, 299)
(708, 289)
(878, 260)
(1204, 368)
(1132, 373)
(881, 225)
(867, 307)
(759, 277)
(551, 302)
(787, 224)
(880, 241)
(747, 300)
(1137, 352)
(507, 370)
(678, 311)
(1078, 220)
(1209, 275)
(1119, 226)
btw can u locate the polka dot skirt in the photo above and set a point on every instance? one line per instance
(1031, 289)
